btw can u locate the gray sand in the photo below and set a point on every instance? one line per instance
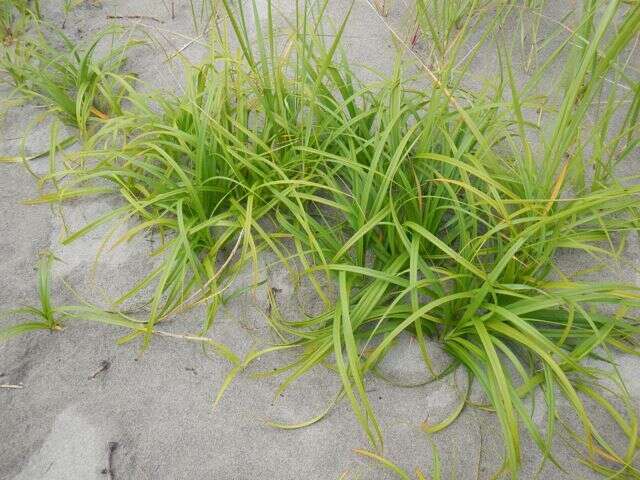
(158, 406)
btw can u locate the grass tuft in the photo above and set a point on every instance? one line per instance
(432, 207)
(55, 72)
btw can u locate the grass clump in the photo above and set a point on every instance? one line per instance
(15, 17)
(213, 166)
(68, 78)
(434, 209)
(446, 235)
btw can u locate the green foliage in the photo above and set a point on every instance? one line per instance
(403, 474)
(434, 209)
(44, 317)
(15, 17)
(57, 73)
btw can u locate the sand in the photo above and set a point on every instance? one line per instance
(158, 407)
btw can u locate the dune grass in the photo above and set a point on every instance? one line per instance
(432, 208)
(45, 315)
(435, 474)
(15, 17)
(56, 72)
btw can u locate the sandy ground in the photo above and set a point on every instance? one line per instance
(158, 407)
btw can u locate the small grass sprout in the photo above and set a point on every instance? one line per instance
(45, 317)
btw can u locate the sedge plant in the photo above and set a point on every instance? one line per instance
(443, 234)
(68, 78)
(44, 317)
(432, 208)
(15, 18)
